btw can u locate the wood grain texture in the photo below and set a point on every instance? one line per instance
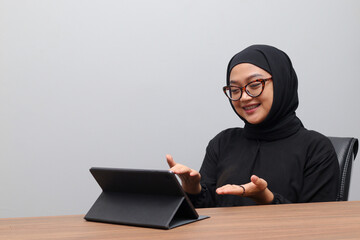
(333, 220)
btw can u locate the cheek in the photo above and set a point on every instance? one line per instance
(236, 105)
(268, 99)
(268, 104)
(237, 108)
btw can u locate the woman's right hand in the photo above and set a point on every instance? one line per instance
(190, 179)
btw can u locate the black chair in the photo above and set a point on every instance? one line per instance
(346, 150)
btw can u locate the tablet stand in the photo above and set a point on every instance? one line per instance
(146, 210)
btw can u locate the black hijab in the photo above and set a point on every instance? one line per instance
(281, 121)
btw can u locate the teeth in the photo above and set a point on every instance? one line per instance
(251, 107)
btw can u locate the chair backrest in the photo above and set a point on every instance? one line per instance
(346, 150)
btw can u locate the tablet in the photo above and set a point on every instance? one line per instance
(148, 198)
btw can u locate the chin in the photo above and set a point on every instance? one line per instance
(253, 121)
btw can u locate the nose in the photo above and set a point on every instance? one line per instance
(245, 97)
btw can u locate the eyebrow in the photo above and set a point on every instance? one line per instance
(249, 77)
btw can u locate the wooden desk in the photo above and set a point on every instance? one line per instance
(335, 220)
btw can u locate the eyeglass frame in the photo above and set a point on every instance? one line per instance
(243, 89)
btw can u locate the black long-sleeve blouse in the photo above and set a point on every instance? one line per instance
(300, 168)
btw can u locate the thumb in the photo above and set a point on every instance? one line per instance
(259, 182)
(170, 160)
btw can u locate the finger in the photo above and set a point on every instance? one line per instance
(220, 190)
(195, 175)
(170, 160)
(181, 169)
(254, 179)
(259, 182)
(230, 189)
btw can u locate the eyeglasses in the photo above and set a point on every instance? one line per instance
(253, 89)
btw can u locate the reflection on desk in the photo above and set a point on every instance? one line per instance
(332, 220)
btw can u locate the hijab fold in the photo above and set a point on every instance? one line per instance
(281, 121)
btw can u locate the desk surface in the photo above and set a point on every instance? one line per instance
(333, 220)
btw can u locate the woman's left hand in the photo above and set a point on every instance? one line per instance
(256, 190)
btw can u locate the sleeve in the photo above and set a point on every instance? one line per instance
(279, 199)
(321, 173)
(208, 172)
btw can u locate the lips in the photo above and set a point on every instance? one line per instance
(250, 107)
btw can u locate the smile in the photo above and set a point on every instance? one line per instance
(251, 107)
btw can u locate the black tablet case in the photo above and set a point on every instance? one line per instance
(148, 198)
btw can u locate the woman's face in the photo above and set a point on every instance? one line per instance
(253, 110)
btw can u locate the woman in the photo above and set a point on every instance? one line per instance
(273, 159)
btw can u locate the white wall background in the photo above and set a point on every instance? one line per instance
(122, 83)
